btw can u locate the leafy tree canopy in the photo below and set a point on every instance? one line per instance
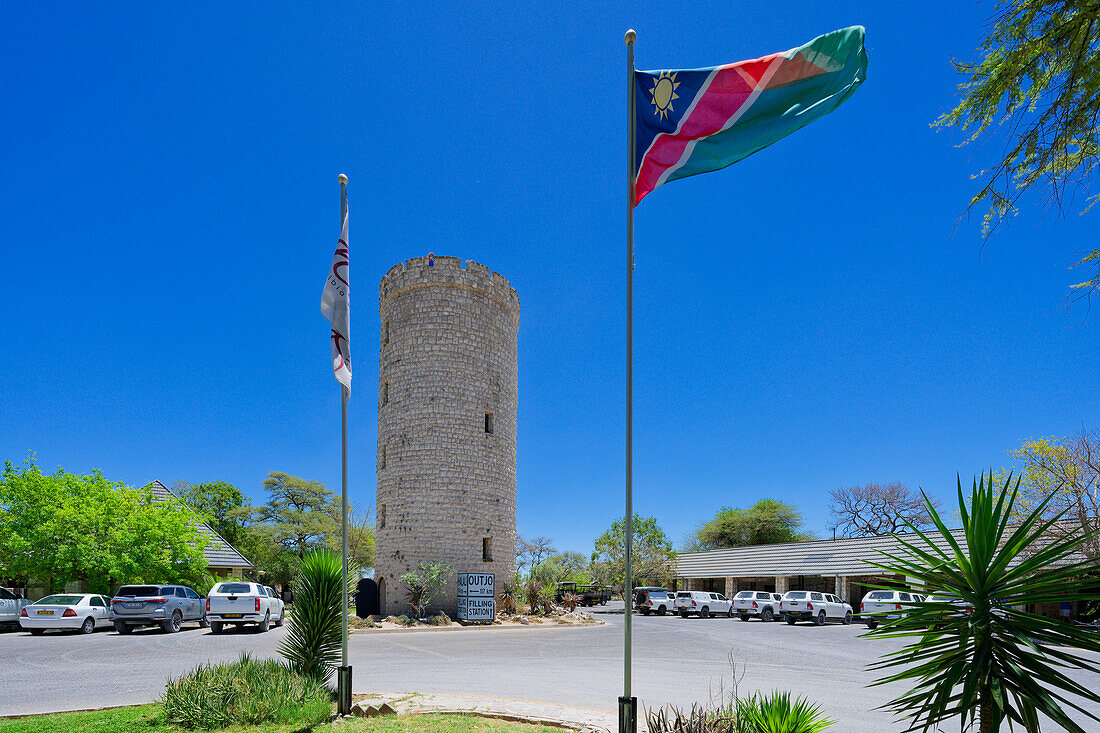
(766, 522)
(652, 556)
(299, 515)
(1038, 81)
(62, 527)
(216, 502)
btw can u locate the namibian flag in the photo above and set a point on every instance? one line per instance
(699, 120)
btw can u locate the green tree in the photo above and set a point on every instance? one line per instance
(217, 502)
(424, 584)
(299, 516)
(767, 522)
(976, 652)
(1065, 473)
(62, 527)
(1038, 79)
(651, 557)
(360, 540)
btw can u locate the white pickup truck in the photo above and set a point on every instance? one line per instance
(241, 603)
(10, 606)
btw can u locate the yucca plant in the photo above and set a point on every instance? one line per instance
(778, 713)
(979, 655)
(509, 596)
(314, 633)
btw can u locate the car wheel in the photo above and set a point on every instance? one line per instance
(766, 615)
(266, 623)
(847, 618)
(819, 620)
(744, 617)
(173, 624)
(661, 611)
(645, 611)
(37, 632)
(872, 624)
(216, 627)
(704, 612)
(790, 620)
(123, 628)
(280, 621)
(88, 626)
(204, 623)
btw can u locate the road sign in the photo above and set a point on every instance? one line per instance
(476, 596)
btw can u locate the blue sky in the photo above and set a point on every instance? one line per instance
(816, 316)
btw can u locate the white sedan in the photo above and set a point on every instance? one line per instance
(82, 612)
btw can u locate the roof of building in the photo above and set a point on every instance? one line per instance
(219, 553)
(842, 556)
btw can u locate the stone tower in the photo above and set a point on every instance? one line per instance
(447, 401)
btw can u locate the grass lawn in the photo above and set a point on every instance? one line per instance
(150, 719)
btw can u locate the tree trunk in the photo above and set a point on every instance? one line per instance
(985, 708)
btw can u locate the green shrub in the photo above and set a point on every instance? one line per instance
(440, 620)
(425, 583)
(246, 692)
(404, 620)
(777, 713)
(314, 634)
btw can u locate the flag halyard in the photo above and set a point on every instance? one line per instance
(336, 307)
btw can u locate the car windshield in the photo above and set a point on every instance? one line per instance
(58, 600)
(745, 594)
(796, 594)
(684, 594)
(233, 588)
(880, 595)
(138, 590)
(943, 599)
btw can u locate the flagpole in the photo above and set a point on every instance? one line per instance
(628, 705)
(344, 677)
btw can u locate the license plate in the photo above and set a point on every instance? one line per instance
(45, 613)
(232, 615)
(132, 605)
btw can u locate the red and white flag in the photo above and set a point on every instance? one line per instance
(336, 308)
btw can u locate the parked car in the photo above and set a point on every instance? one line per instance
(879, 605)
(240, 603)
(702, 603)
(83, 612)
(653, 601)
(806, 605)
(764, 605)
(10, 606)
(166, 606)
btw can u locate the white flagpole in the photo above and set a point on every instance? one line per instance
(344, 679)
(628, 705)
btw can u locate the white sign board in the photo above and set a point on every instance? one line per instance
(476, 596)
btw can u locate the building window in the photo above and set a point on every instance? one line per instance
(382, 516)
(385, 393)
(382, 463)
(386, 334)
(489, 422)
(486, 549)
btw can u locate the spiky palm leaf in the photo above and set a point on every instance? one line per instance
(980, 657)
(778, 713)
(312, 644)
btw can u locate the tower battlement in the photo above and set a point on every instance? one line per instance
(449, 272)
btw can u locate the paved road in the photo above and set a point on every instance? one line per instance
(675, 660)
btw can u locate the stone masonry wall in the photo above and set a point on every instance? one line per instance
(448, 358)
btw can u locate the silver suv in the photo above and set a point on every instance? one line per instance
(166, 606)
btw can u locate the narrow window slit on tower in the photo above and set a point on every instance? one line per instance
(486, 549)
(489, 422)
(386, 334)
(382, 516)
(383, 462)
(385, 393)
